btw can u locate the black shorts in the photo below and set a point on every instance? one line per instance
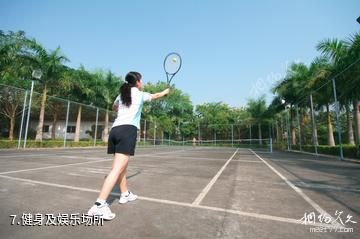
(122, 139)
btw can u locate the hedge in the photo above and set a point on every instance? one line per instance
(7, 144)
(349, 151)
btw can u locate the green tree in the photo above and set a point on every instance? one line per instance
(173, 113)
(320, 70)
(81, 92)
(51, 65)
(106, 89)
(257, 109)
(16, 62)
(293, 89)
(345, 55)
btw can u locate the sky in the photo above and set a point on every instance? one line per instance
(232, 50)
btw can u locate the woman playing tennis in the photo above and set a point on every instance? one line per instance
(122, 141)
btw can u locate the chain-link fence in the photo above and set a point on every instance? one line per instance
(313, 124)
(319, 124)
(59, 123)
(26, 121)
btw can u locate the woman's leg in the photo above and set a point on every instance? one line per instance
(119, 165)
(122, 180)
(125, 196)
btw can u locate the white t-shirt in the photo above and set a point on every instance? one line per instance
(131, 115)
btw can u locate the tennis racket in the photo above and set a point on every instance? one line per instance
(172, 65)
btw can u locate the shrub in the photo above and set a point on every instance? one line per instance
(7, 144)
(348, 150)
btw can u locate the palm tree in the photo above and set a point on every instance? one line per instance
(354, 83)
(81, 92)
(345, 56)
(51, 64)
(320, 70)
(54, 104)
(293, 88)
(107, 87)
(274, 110)
(257, 109)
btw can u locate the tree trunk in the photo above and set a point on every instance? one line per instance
(331, 141)
(313, 121)
(12, 126)
(293, 136)
(292, 127)
(260, 137)
(77, 129)
(39, 129)
(105, 134)
(302, 125)
(9, 110)
(53, 127)
(350, 131)
(277, 130)
(356, 105)
(282, 129)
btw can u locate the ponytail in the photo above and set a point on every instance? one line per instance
(125, 90)
(125, 94)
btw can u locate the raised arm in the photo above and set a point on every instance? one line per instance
(160, 94)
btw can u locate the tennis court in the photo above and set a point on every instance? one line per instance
(184, 192)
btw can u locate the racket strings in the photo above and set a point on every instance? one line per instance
(172, 64)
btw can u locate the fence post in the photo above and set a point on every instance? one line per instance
(250, 135)
(145, 132)
(96, 125)
(199, 133)
(215, 136)
(162, 137)
(66, 122)
(22, 118)
(232, 135)
(28, 113)
(299, 126)
(288, 128)
(154, 133)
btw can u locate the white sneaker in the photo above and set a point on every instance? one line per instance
(127, 198)
(103, 211)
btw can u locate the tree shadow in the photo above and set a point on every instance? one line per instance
(343, 175)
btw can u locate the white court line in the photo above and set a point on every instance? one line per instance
(51, 167)
(245, 161)
(185, 157)
(65, 165)
(99, 172)
(205, 191)
(210, 151)
(44, 154)
(299, 191)
(328, 187)
(79, 175)
(23, 155)
(170, 202)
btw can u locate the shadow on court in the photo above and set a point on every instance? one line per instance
(184, 192)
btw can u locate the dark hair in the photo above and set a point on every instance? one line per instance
(125, 90)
